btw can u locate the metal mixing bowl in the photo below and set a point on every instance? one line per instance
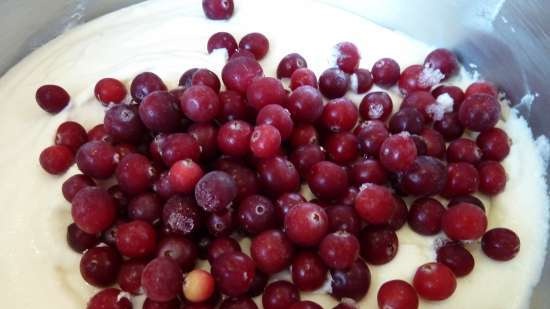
(509, 41)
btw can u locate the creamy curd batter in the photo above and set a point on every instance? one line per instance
(37, 268)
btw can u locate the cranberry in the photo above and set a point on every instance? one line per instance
(410, 80)
(379, 244)
(371, 135)
(242, 53)
(181, 215)
(351, 283)
(162, 186)
(277, 116)
(123, 124)
(179, 146)
(79, 240)
(427, 176)
(449, 126)
(304, 134)
(443, 60)
(56, 159)
(233, 272)
(184, 175)
(151, 304)
(343, 218)
(265, 141)
(397, 294)
(334, 83)
(398, 152)
(97, 159)
(306, 224)
(233, 106)
(285, 202)
(463, 150)
(425, 216)
(304, 157)
(464, 221)
(346, 303)
(308, 271)
(93, 210)
(420, 100)
(71, 134)
(264, 91)
(198, 286)
(146, 207)
(160, 112)
(256, 214)
(374, 204)
(421, 146)
(220, 225)
(305, 104)
(339, 115)
(234, 138)
(453, 91)
(238, 303)
(303, 77)
(462, 179)
(407, 119)
(376, 106)
(368, 171)
(457, 258)
(162, 279)
(110, 298)
(98, 133)
(347, 56)
(125, 149)
(272, 251)
(238, 73)
(110, 90)
(99, 266)
(258, 284)
(220, 246)
(180, 249)
(494, 144)
(289, 64)
(466, 199)
(434, 281)
(278, 176)
(256, 43)
(144, 84)
(129, 277)
(385, 72)
(435, 143)
(222, 40)
(245, 178)
(492, 177)
(135, 174)
(215, 191)
(206, 135)
(305, 304)
(218, 9)
(342, 147)
(482, 87)
(136, 239)
(400, 214)
(500, 244)
(327, 180)
(361, 81)
(200, 103)
(52, 98)
(479, 112)
(186, 80)
(339, 250)
(280, 295)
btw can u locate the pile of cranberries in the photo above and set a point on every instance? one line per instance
(198, 168)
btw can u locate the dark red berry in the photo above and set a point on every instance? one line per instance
(265, 141)
(306, 224)
(361, 81)
(146, 207)
(136, 239)
(308, 271)
(215, 191)
(222, 40)
(457, 258)
(264, 91)
(443, 60)
(98, 133)
(397, 294)
(234, 138)
(135, 174)
(180, 249)
(492, 177)
(500, 244)
(255, 215)
(305, 304)
(52, 98)
(179, 146)
(97, 159)
(464, 221)
(71, 134)
(334, 83)
(494, 143)
(221, 246)
(278, 176)
(340, 115)
(371, 135)
(129, 277)
(238, 303)
(378, 244)
(285, 202)
(339, 250)
(234, 273)
(218, 9)
(162, 279)
(462, 179)
(272, 251)
(410, 80)
(327, 180)
(347, 56)
(160, 112)
(289, 64)
(280, 295)
(407, 120)
(79, 240)
(479, 112)
(256, 43)
(398, 152)
(376, 106)
(305, 104)
(385, 72)
(434, 281)
(351, 283)
(425, 216)
(93, 210)
(463, 150)
(238, 73)
(184, 175)
(427, 176)
(375, 204)
(99, 266)
(449, 126)
(343, 218)
(56, 159)
(481, 87)
(110, 298)
(453, 91)
(303, 77)
(144, 84)
(277, 116)
(181, 215)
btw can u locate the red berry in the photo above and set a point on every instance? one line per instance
(342, 147)
(222, 40)
(184, 175)
(410, 80)
(289, 64)
(264, 91)
(265, 141)
(215, 191)
(449, 126)
(479, 112)
(179, 146)
(303, 77)
(56, 159)
(98, 133)
(272, 251)
(420, 100)
(308, 271)
(463, 150)
(443, 60)
(200, 103)
(482, 87)
(351, 283)
(206, 135)
(304, 134)
(306, 224)
(425, 216)
(110, 90)
(280, 295)
(238, 73)
(379, 244)
(233, 106)
(339, 115)
(375, 204)
(277, 116)
(339, 250)
(144, 84)
(234, 138)
(278, 176)
(464, 221)
(162, 279)
(256, 43)
(462, 179)
(397, 294)
(371, 135)
(110, 298)
(180, 249)
(457, 258)
(347, 56)
(494, 144)
(305, 304)
(97, 159)
(427, 176)
(181, 215)
(234, 273)
(256, 214)
(305, 104)
(93, 210)
(453, 91)
(398, 152)
(334, 83)
(327, 180)
(146, 206)
(71, 134)
(376, 106)
(361, 81)
(407, 120)
(385, 72)
(492, 177)
(129, 276)
(79, 240)
(135, 174)
(218, 9)
(434, 281)
(136, 239)
(500, 244)
(52, 98)
(99, 266)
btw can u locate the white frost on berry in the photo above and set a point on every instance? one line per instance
(443, 104)
(354, 83)
(430, 76)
